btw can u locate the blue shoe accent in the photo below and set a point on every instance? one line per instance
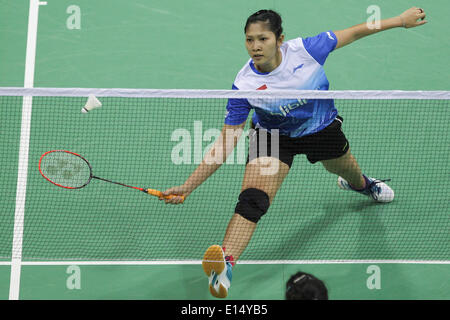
(214, 278)
(375, 188)
(229, 271)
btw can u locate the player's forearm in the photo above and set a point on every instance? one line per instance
(201, 174)
(365, 29)
(411, 18)
(214, 158)
(362, 30)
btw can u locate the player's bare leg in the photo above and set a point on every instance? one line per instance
(218, 260)
(258, 176)
(351, 178)
(346, 167)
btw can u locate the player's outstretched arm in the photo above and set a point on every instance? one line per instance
(411, 18)
(212, 161)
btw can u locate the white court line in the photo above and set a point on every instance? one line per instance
(22, 175)
(249, 262)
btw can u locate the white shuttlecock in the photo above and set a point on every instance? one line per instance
(92, 103)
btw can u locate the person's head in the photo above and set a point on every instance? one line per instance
(263, 38)
(304, 286)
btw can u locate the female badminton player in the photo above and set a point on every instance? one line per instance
(310, 127)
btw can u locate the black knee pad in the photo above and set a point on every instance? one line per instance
(253, 204)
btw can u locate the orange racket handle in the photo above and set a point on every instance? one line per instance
(159, 194)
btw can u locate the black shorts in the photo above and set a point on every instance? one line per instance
(329, 143)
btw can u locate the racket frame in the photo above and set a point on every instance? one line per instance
(60, 185)
(152, 192)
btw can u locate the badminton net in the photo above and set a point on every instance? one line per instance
(156, 139)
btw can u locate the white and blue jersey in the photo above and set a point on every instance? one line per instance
(301, 69)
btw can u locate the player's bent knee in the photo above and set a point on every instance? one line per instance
(253, 204)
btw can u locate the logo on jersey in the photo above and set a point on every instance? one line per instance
(329, 35)
(285, 109)
(263, 87)
(298, 67)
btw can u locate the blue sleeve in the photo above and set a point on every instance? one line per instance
(237, 110)
(320, 46)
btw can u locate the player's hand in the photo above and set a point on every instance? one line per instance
(410, 18)
(179, 194)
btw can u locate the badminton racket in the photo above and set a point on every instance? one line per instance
(70, 170)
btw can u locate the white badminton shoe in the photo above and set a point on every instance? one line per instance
(218, 271)
(378, 190)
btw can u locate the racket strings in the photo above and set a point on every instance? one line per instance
(65, 169)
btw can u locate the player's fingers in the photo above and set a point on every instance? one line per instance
(168, 191)
(420, 13)
(172, 192)
(178, 190)
(174, 200)
(168, 200)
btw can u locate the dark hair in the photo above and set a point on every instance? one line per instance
(304, 286)
(270, 17)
